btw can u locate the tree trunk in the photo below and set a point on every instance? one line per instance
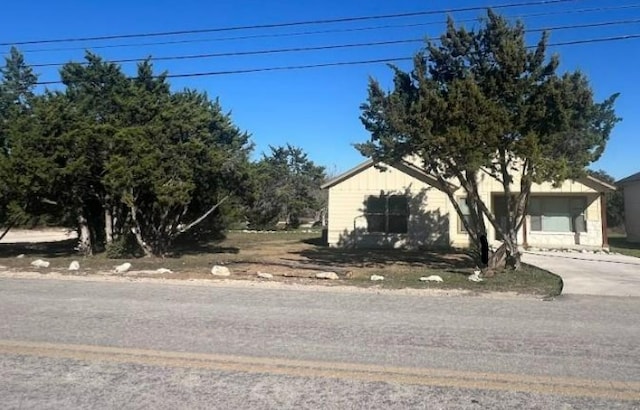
(137, 232)
(6, 230)
(512, 260)
(148, 252)
(496, 261)
(108, 224)
(84, 235)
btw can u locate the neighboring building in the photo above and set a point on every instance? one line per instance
(631, 188)
(404, 207)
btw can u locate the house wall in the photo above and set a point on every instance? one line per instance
(428, 222)
(433, 216)
(592, 238)
(632, 211)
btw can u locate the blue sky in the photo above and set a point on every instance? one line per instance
(317, 109)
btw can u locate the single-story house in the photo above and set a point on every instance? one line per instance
(631, 189)
(403, 206)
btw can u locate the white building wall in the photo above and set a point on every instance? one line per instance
(347, 225)
(632, 211)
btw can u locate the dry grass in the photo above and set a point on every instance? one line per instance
(618, 243)
(294, 257)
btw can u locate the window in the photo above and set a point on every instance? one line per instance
(557, 214)
(462, 202)
(500, 212)
(387, 214)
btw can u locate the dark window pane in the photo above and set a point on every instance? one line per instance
(398, 204)
(397, 224)
(461, 227)
(578, 204)
(555, 206)
(376, 204)
(375, 223)
(534, 206)
(536, 223)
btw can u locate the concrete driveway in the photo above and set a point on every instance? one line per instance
(589, 273)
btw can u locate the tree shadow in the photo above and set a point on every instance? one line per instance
(623, 243)
(425, 240)
(365, 258)
(319, 241)
(64, 248)
(199, 248)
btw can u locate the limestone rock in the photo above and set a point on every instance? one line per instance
(377, 277)
(163, 270)
(74, 265)
(39, 263)
(20, 256)
(264, 275)
(432, 278)
(327, 275)
(123, 268)
(475, 277)
(218, 270)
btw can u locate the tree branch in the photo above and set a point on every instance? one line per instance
(6, 230)
(203, 216)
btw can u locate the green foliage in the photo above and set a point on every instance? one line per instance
(116, 154)
(482, 101)
(123, 247)
(615, 199)
(286, 185)
(16, 96)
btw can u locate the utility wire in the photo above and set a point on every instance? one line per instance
(360, 62)
(330, 47)
(289, 24)
(330, 31)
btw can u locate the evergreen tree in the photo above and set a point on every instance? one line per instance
(16, 96)
(482, 103)
(287, 187)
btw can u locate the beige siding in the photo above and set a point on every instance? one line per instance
(632, 211)
(592, 238)
(428, 222)
(433, 216)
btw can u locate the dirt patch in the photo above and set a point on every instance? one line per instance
(38, 235)
(292, 259)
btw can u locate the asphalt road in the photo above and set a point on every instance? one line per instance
(72, 344)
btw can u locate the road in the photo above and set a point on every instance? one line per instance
(80, 345)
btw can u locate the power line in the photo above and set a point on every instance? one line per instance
(330, 47)
(289, 24)
(360, 62)
(330, 31)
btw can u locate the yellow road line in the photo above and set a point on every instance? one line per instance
(619, 390)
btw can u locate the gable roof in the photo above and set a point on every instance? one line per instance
(597, 184)
(414, 171)
(631, 178)
(402, 166)
(348, 174)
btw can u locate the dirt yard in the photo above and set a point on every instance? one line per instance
(291, 257)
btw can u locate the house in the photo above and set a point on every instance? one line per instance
(631, 189)
(403, 206)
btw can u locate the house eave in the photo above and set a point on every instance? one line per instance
(629, 180)
(597, 184)
(348, 174)
(402, 166)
